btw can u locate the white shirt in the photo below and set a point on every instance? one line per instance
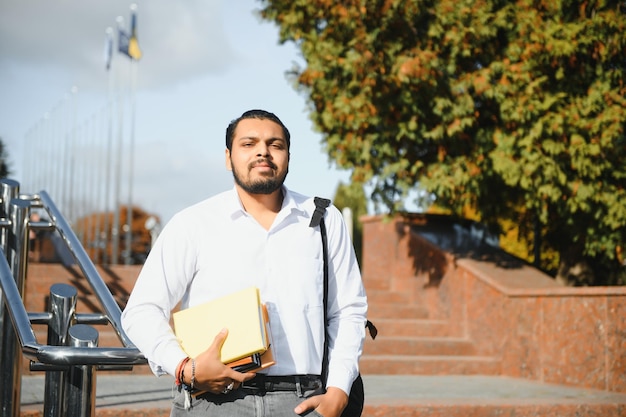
(214, 248)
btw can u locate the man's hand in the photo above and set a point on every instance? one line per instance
(211, 374)
(330, 404)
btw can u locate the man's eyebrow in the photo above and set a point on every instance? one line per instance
(272, 139)
(247, 138)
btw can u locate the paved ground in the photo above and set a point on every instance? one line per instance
(138, 391)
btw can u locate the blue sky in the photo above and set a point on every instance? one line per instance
(203, 64)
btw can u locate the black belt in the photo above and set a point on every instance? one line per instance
(270, 383)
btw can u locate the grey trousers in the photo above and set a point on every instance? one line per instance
(242, 403)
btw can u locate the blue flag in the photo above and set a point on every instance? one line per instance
(128, 43)
(123, 41)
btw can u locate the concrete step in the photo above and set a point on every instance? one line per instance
(385, 396)
(412, 327)
(384, 345)
(429, 365)
(377, 296)
(374, 284)
(396, 311)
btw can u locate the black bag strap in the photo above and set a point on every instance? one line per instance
(320, 208)
(318, 220)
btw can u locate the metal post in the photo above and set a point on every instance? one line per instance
(81, 384)
(9, 189)
(11, 354)
(62, 308)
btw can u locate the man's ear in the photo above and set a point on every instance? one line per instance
(229, 164)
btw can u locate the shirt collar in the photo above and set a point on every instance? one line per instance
(290, 205)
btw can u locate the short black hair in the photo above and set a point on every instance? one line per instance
(255, 114)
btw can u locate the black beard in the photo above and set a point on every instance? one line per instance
(265, 186)
(261, 187)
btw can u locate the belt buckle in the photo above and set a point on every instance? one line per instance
(253, 385)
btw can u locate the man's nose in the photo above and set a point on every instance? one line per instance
(262, 149)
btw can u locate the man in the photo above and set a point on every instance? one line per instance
(257, 234)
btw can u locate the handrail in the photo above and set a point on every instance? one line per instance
(56, 355)
(72, 342)
(103, 294)
(66, 355)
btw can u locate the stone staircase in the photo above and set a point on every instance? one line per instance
(41, 277)
(477, 323)
(410, 343)
(410, 340)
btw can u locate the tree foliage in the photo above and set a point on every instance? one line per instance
(514, 108)
(5, 169)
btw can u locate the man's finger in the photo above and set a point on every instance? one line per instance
(306, 405)
(219, 340)
(241, 377)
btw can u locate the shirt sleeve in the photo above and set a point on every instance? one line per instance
(347, 305)
(158, 290)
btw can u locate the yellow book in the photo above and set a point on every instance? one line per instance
(240, 312)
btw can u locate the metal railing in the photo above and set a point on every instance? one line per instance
(71, 355)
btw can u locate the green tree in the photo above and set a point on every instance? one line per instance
(5, 169)
(352, 196)
(515, 109)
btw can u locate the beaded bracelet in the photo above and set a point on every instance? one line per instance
(180, 371)
(193, 373)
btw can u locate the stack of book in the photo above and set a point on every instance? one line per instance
(247, 347)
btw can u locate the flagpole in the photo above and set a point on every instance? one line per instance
(131, 158)
(53, 148)
(131, 151)
(100, 199)
(80, 180)
(109, 146)
(41, 148)
(37, 152)
(117, 172)
(127, 44)
(72, 158)
(64, 165)
(92, 188)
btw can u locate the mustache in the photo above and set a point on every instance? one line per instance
(263, 161)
